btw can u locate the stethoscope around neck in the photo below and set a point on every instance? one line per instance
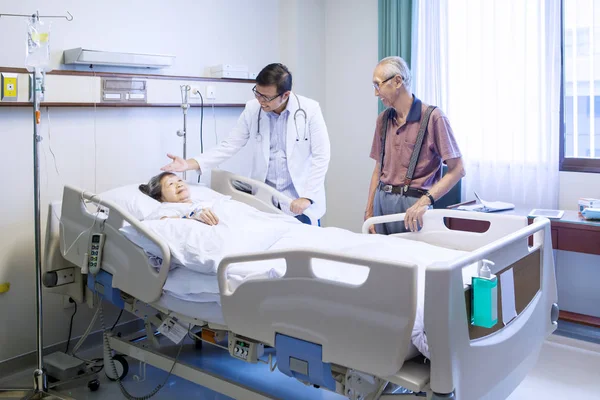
(299, 110)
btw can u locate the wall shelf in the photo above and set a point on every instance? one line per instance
(66, 88)
(114, 105)
(128, 75)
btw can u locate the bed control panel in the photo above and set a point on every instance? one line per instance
(245, 349)
(95, 252)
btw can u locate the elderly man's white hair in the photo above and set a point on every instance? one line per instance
(395, 65)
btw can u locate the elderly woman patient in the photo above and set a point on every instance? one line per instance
(173, 192)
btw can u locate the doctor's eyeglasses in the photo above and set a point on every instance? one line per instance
(262, 97)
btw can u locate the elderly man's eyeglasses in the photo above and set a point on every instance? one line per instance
(378, 86)
(261, 96)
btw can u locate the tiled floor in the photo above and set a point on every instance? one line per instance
(567, 369)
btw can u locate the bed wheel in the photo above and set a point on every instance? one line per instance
(121, 365)
(94, 385)
(443, 396)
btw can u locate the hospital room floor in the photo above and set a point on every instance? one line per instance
(567, 369)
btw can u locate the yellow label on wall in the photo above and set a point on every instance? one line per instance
(4, 287)
(10, 87)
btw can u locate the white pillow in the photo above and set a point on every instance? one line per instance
(141, 205)
(132, 200)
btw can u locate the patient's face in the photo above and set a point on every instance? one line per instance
(174, 190)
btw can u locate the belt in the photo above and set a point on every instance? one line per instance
(402, 190)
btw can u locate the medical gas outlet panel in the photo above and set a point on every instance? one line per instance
(124, 90)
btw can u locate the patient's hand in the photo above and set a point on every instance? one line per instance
(207, 216)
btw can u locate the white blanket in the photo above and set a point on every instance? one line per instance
(200, 247)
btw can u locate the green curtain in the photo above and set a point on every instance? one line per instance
(395, 30)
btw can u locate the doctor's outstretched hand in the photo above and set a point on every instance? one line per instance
(298, 206)
(179, 164)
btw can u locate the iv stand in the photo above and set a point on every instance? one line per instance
(40, 381)
(185, 89)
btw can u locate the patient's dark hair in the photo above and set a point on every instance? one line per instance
(154, 188)
(277, 75)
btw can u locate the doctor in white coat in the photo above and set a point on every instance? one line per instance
(290, 143)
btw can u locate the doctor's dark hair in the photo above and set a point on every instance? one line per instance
(154, 188)
(277, 75)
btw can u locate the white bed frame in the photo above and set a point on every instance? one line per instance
(381, 312)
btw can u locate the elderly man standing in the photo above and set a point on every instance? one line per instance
(411, 141)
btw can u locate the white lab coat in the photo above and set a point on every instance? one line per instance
(307, 160)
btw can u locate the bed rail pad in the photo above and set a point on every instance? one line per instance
(366, 327)
(128, 264)
(262, 194)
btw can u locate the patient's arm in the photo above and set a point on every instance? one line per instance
(206, 216)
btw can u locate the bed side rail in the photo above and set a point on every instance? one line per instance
(436, 232)
(366, 327)
(127, 263)
(262, 195)
(509, 353)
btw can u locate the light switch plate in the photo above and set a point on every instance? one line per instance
(8, 87)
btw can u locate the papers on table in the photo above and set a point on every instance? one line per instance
(487, 206)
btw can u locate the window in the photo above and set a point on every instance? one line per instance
(580, 116)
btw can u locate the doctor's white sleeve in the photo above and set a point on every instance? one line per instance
(229, 147)
(321, 153)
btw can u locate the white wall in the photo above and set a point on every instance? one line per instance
(130, 143)
(574, 185)
(302, 42)
(351, 46)
(199, 33)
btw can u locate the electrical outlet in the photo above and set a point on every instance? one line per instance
(211, 92)
(67, 304)
(195, 93)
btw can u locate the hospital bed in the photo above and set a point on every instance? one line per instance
(356, 340)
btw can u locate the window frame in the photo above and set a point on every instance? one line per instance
(569, 164)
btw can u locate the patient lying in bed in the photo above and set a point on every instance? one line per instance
(173, 192)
